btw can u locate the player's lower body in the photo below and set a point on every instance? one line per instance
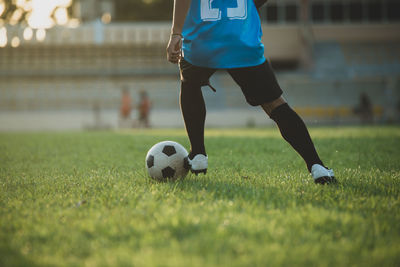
(143, 120)
(260, 88)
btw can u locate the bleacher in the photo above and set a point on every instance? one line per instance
(84, 60)
(77, 69)
(90, 50)
(372, 59)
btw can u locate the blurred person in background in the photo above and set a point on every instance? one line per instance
(364, 109)
(144, 107)
(125, 108)
(389, 106)
(207, 35)
(398, 111)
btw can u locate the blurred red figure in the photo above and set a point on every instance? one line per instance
(144, 109)
(126, 104)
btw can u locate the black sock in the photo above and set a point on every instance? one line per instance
(194, 115)
(295, 132)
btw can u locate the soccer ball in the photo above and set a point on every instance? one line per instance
(166, 161)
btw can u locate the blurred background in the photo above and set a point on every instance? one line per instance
(101, 64)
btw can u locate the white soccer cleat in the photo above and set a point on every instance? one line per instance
(331, 173)
(322, 175)
(198, 164)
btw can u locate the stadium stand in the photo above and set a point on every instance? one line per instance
(341, 56)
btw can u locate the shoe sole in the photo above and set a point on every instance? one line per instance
(196, 172)
(325, 180)
(187, 166)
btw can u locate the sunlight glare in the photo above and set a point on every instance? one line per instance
(3, 37)
(15, 42)
(28, 6)
(63, 3)
(28, 33)
(16, 16)
(2, 7)
(73, 23)
(40, 35)
(20, 3)
(41, 15)
(61, 16)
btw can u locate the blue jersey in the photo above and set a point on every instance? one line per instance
(223, 34)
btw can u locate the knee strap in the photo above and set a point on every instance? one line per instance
(197, 84)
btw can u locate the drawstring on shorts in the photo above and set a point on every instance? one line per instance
(211, 87)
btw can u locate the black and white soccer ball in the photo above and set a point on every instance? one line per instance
(166, 161)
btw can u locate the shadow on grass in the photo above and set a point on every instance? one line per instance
(266, 194)
(11, 257)
(284, 193)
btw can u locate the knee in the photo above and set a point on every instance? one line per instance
(270, 106)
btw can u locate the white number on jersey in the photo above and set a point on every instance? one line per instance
(207, 13)
(239, 12)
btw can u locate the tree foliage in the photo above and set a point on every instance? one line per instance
(143, 10)
(125, 10)
(10, 7)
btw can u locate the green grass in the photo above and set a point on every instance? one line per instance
(84, 199)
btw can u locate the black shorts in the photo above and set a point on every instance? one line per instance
(258, 83)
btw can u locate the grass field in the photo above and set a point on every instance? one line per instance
(84, 199)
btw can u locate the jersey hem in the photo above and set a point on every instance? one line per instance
(234, 66)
